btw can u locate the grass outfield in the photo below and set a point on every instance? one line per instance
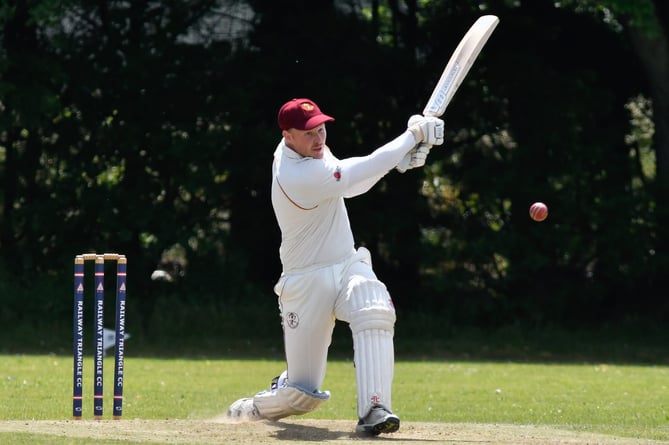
(179, 401)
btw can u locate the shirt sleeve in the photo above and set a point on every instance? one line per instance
(363, 172)
(334, 178)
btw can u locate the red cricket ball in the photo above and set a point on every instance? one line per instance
(538, 211)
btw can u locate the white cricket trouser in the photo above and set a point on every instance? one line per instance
(310, 302)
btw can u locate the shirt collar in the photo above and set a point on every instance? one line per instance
(287, 151)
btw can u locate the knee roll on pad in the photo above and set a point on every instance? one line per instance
(287, 401)
(371, 307)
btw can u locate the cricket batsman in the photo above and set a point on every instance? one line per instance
(325, 278)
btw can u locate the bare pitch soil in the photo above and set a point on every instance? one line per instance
(300, 431)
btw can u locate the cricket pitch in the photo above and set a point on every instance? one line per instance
(298, 431)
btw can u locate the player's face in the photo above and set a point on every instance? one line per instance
(308, 143)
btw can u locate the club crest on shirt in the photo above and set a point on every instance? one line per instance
(337, 174)
(292, 320)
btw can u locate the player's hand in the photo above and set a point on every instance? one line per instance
(415, 158)
(427, 129)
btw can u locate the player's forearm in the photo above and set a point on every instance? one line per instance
(362, 170)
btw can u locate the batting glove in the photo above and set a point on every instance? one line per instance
(427, 129)
(415, 158)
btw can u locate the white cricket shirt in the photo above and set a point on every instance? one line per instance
(308, 200)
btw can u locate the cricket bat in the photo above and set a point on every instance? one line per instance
(456, 70)
(459, 64)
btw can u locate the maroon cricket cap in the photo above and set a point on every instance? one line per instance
(302, 114)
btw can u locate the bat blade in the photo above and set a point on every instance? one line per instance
(459, 64)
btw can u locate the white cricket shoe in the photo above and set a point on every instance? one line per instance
(244, 410)
(379, 420)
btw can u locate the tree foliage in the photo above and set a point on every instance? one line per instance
(147, 127)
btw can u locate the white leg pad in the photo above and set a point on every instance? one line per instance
(372, 322)
(374, 362)
(288, 400)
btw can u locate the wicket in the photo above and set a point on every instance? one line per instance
(119, 348)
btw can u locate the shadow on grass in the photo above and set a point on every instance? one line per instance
(292, 432)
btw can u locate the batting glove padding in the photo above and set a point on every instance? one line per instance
(415, 158)
(427, 129)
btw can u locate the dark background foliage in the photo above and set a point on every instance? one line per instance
(147, 128)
